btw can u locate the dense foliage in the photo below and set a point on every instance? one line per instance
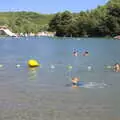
(102, 21)
(25, 22)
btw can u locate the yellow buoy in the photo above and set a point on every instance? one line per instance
(33, 63)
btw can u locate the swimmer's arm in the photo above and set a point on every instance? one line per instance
(75, 86)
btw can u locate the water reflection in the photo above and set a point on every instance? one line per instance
(32, 73)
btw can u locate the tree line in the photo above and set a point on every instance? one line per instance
(102, 21)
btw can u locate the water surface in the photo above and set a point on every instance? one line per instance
(42, 94)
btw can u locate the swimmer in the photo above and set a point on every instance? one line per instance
(75, 53)
(116, 67)
(75, 82)
(85, 53)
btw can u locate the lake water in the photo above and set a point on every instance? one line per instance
(42, 94)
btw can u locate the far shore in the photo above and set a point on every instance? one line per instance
(52, 34)
(27, 35)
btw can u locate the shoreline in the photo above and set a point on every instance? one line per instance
(53, 35)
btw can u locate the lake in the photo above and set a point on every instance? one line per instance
(43, 94)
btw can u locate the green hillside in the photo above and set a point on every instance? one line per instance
(25, 21)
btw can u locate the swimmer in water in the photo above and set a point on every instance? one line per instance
(75, 82)
(85, 53)
(116, 67)
(75, 52)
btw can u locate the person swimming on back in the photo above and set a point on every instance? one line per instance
(116, 67)
(75, 82)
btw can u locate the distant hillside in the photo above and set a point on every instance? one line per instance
(25, 21)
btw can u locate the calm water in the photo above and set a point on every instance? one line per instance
(42, 94)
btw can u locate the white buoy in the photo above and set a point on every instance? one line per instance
(17, 65)
(52, 67)
(89, 68)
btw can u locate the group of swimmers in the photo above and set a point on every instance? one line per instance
(76, 53)
(76, 81)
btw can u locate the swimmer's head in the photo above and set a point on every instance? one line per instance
(116, 63)
(86, 52)
(75, 79)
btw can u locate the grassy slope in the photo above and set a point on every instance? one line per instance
(37, 18)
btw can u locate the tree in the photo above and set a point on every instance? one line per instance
(60, 23)
(102, 21)
(55, 22)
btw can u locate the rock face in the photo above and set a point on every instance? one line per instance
(117, 37)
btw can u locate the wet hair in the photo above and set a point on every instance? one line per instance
(86, 52)
(116, 64)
